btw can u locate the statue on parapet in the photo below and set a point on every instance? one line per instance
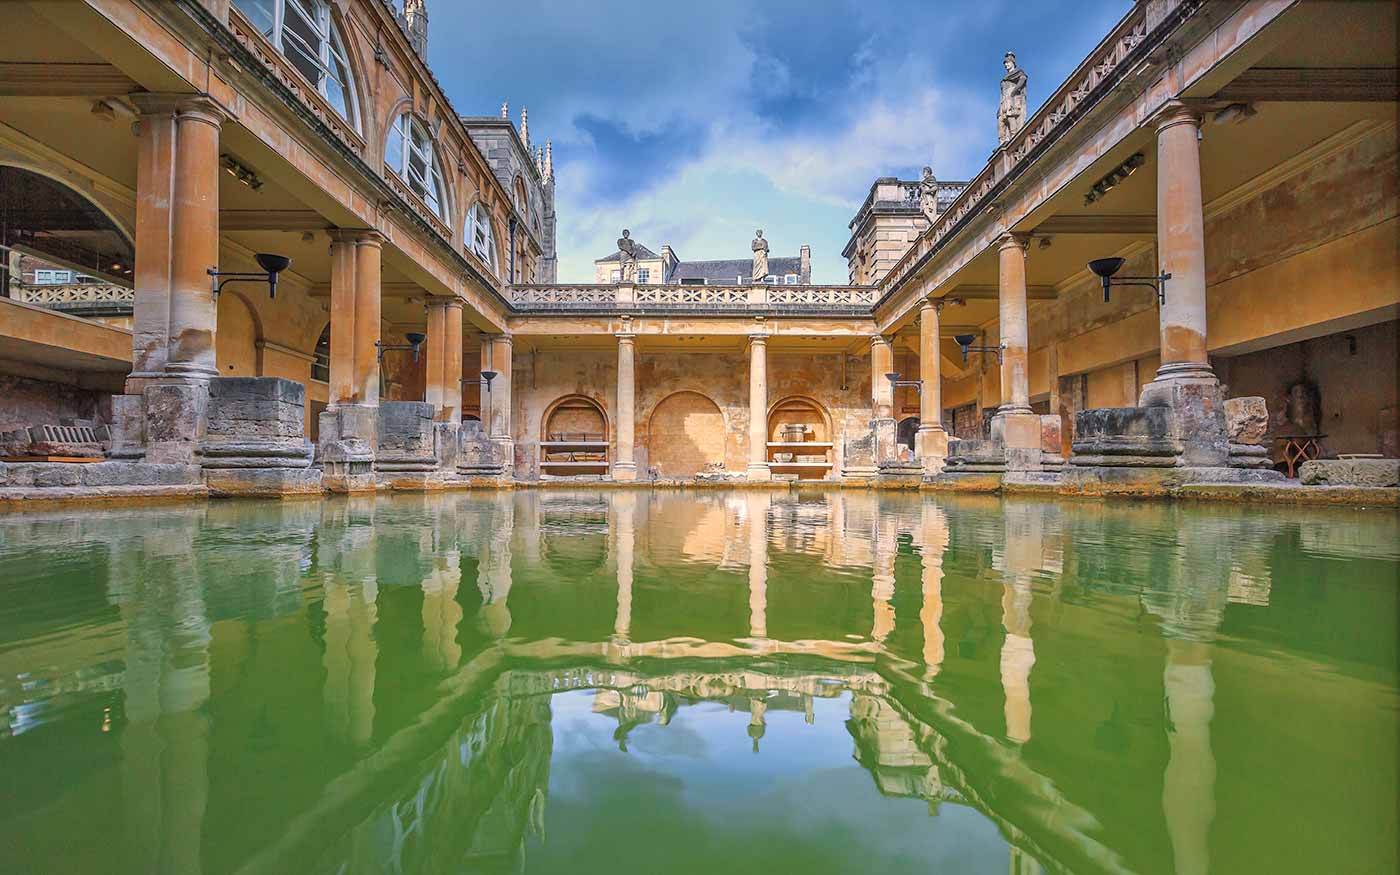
(1011, 114)
(627, 256)
(928, 194)
(760, 257)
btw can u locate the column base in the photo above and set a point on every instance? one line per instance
(1191, 391)
(1017, 430)
(931, 447)
(348, 439)
(758, 472)
(175, 418)
(624, 472)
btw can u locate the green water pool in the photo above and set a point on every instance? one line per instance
(698, 682)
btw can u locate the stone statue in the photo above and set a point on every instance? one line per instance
(627, 256)
(1011, 115)
(928, 193)
(760, 257)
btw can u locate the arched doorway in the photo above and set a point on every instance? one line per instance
(904, 433)
(685, 435)
(799, 436)
(574, 438)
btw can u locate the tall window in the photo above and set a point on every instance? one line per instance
(305, 32)
(643, 275)
(411, 155)
(321, 367)
(479, 238)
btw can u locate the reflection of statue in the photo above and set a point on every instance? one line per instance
(928, 193)
(627, 256)
(760, 257)
(1011, 115)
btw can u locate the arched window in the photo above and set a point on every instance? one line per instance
(410, 154)
(306, 33)
(321, 367)
(521, 200)
(479, 238)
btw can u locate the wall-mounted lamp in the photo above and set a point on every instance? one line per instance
(240, 171)
(965, 341)
(484, 379)
(896, 382)
(272, 264)
(415, 340)
(1105, 268)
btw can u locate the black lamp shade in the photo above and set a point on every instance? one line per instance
(416, 337)
(893, 378)
(273, 264)
(488, 376)
(1105, 267)
(964, 340)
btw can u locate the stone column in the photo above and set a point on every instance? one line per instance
(625, 465)
(501, 431)
(444, 377)
(758, 408)
(1014, 426)
(177, 241)
(882, 398)
(931, 441)
(349, 426)
(1185, 382)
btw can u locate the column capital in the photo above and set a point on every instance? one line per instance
(200, 106)
(759, 339)
(1009, 239)
(444, 302)
(502, 338)
(934, 304)
(625, 337)
(1175, 112)
(879, 339)
(360, 236)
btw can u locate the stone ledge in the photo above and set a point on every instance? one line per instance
(19, 499)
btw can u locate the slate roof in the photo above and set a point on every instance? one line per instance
(642, 252)
(727, 270)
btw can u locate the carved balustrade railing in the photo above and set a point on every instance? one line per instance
(854, 300)
(1053, 118)
(72, 293)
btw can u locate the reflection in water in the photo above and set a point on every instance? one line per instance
(815, 682)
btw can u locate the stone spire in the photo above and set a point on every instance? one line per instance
(415, 18)
(539, 160)
(525, 127)
(549, 159)
(505, 109)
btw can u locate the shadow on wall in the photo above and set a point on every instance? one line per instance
(685, 436)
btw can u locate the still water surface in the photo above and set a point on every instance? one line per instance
(667, 682)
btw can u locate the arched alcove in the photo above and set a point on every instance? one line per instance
(904, 433)
(800, 438)
(574, 438)
(685, 435)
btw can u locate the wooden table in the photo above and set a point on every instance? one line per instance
(1299, 448)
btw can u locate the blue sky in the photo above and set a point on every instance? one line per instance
(693, 123)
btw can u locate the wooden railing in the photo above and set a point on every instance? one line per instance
(855, 300)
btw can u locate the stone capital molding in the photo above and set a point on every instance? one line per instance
(358, 236)
(1173, 113)
(1020, 240)
(202, 107)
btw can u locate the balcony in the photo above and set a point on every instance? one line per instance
(727, 299)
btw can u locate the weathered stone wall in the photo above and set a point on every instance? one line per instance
(25, 402)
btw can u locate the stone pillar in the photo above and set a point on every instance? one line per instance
(1014, 426)
(931, 441)
(882, 398)
(177, 241)
(501, 431)
(444, 351)
(1185, 382)
(758, 408)
(349, 425)
(625, 465)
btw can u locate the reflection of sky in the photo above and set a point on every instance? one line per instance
(693, 795)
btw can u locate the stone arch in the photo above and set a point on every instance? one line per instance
(905, 431)
(574, 415)
(811, 455)
(685, 435)
(797, 409)
(93, 240)
(236, 336)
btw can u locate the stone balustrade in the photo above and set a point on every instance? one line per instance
(763, 298)
(73, 293)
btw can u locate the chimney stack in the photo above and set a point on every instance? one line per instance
(806, 264)
(415, 18)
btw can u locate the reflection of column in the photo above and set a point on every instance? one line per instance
(493, 568)
(758, 710)
(625, 505)
(351, 651)
(1017, 656)
(758, 408)
(758, 503)
(165, 747)
(931, 439)
(625, 466)
(1188, 785)
(934, 537)
(882, 577)
(442, 613)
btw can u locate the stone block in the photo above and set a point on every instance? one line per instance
(1247, 420)
(1132, 437)
(1350, 472)
(263, 482)
(976, 456)
(255, 422)
(345, 452)
(406, 437)
(174, 421)
(128, 427)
